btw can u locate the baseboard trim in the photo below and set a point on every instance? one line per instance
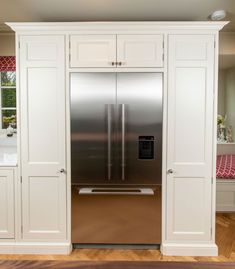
(174, 249)
(35, 248)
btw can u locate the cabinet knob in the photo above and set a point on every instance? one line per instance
(62, 170)
(113, 63)
(170, 171)
(119, 63)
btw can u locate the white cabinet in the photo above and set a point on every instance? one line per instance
(116, 51)
(44, 108)
(190, 138)
(7, 204)
(140, 50)
(43, 145)
(92, 50)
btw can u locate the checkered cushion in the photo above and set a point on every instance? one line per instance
(7, 63)
(225, 166)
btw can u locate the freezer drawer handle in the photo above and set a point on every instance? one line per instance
(100, 191)
(123, 142)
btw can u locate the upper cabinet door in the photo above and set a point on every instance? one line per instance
(140, 50)
(42, 131)
(93, 50)
(6, 204)
(190, 137)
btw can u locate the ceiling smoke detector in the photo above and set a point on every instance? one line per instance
(218, 15)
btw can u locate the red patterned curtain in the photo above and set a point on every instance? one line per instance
(7, 63)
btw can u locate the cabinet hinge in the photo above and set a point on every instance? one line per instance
(163, 57)
(20, 179)
(212, 180)
(214, 44)
(163, 44)
(21, 229)
(19, 45)
(211, 231)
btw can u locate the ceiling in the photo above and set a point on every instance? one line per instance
(112, 10)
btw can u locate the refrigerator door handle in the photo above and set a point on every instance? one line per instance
(109, 121)
(123, 141)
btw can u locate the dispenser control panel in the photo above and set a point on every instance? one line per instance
(146, 147)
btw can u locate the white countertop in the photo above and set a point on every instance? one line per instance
(8, 150)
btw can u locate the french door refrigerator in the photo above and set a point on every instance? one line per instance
(116, 157)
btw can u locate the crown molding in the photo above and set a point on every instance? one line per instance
(116, 26)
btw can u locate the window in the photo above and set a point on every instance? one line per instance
(7, 99)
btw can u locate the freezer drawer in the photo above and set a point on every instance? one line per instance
(116, 219)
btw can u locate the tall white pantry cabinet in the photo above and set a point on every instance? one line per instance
(186, 53)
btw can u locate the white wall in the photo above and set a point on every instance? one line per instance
(226, 83)
(221, 92)
(7, 44)
(230, 98)
(227, 43)
(226, 96)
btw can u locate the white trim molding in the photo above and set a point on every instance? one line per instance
(189, 249)
(117, 26)
(35, 248)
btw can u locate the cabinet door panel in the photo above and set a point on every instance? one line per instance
(140, 50)
(93, 50)
(190, 137)
(43, 149)
(6, 204)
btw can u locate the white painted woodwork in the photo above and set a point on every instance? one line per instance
(140, 50)
(225, 195)
(7, 204)
(225, 188)
(225, 148)
(43, 143)
(190, 137)
(92, 50)
(129, 50)
(188, 197)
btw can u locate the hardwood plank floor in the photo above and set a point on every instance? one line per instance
(111, 265)
(225, 239)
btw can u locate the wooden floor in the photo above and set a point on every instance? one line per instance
(26, 264)
(225, 239)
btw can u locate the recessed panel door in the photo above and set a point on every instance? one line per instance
(139, 103)
(190, 138)
(140, 50)
(93, 50)
(7, 204)
(93, 99)
(42, 132)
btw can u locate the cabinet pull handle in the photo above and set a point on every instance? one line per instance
(170, 171)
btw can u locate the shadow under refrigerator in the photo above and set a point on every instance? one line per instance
(116, 158)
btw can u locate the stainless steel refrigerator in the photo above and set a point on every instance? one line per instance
(116, 157)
